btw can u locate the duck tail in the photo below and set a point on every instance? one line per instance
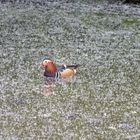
(75, 66)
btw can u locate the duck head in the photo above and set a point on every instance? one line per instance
(49, 66)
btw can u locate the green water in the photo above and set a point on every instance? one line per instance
(102, 103)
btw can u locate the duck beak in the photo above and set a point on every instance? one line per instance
(42, 65)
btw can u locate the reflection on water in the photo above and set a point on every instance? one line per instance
(48, 89)
(52, 83)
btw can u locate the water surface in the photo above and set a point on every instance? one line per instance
(103, 103)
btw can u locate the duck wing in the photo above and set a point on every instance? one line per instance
(64, 67)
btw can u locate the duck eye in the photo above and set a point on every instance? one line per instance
(46, 61)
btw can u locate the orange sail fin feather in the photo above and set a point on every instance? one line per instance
(64, 71)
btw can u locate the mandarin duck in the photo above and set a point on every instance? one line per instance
(64, 71)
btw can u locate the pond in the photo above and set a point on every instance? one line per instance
(103, 100)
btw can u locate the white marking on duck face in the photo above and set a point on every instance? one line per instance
(46, 61)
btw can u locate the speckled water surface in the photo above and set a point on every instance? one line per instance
(103, 103)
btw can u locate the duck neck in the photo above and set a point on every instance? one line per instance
(48, 74)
